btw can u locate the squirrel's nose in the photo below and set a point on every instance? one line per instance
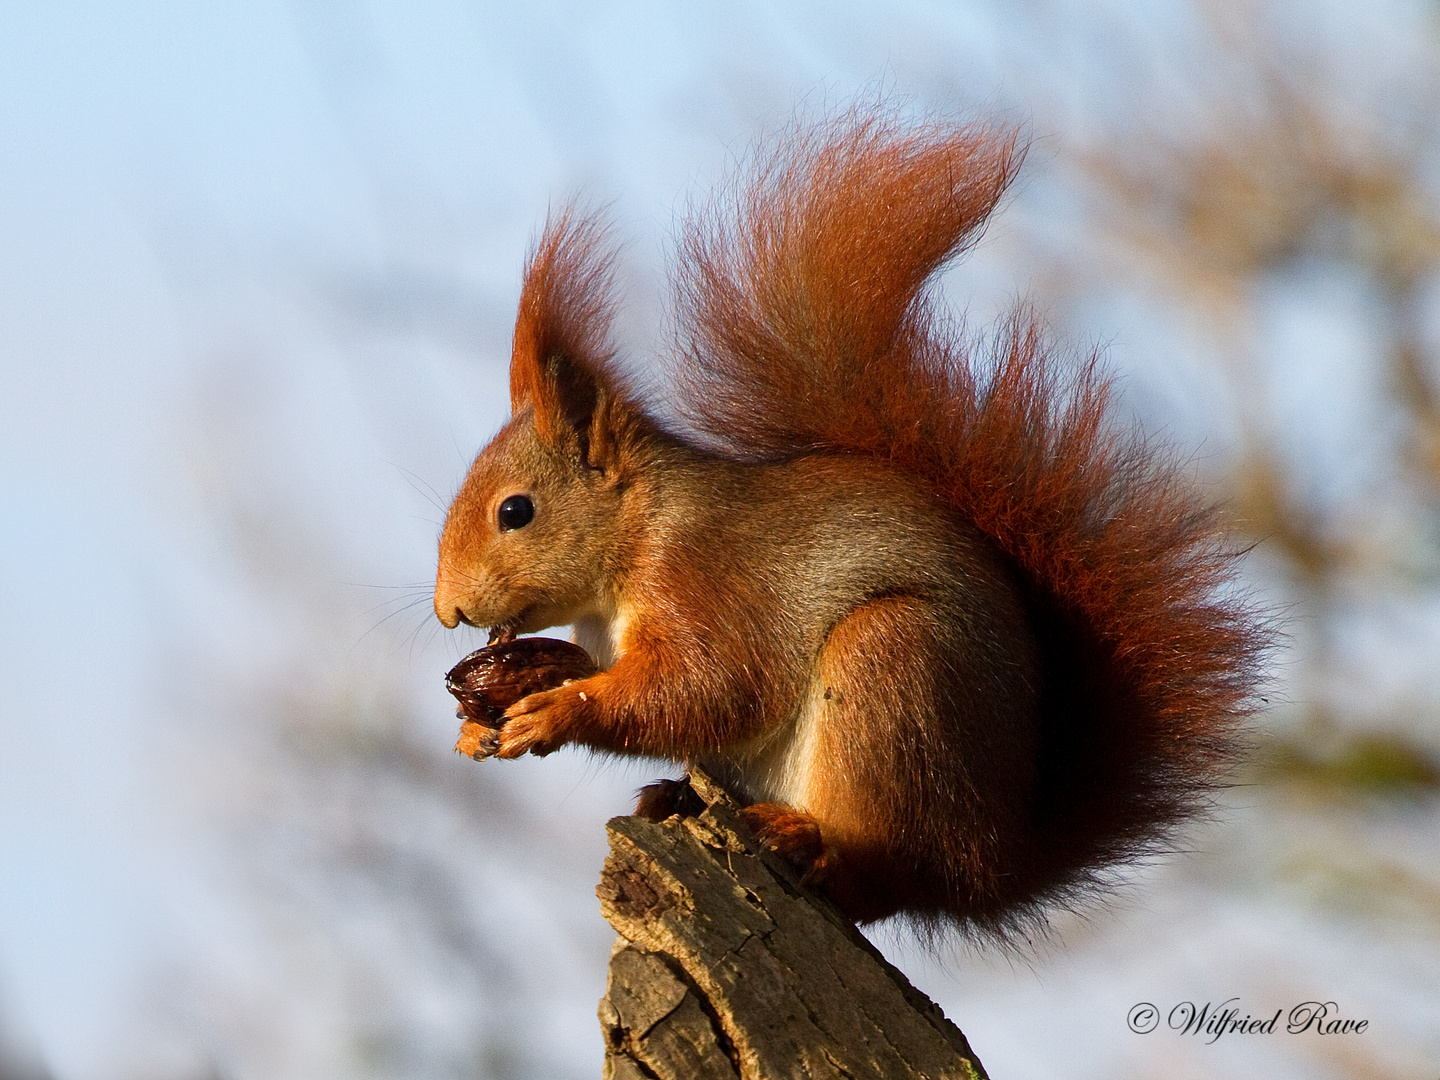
(452, 615)
(448, 608)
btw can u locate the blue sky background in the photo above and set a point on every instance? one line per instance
(257, 267)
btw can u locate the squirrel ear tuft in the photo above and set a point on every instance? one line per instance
(565, 309)
(560, 365)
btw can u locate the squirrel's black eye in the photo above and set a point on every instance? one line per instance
(515, 512)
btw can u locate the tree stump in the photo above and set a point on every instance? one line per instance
(726, 967)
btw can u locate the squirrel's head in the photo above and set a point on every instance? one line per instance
(532, 538)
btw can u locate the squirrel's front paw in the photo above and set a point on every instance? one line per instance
(541, 723)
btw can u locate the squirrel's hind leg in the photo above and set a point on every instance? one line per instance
(856, 829)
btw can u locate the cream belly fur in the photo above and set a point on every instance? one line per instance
(779, 767)
(601, 637)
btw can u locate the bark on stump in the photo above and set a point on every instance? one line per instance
(726, 967)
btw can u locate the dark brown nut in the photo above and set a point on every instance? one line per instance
(490, 680)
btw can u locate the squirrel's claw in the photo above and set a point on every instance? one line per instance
(477, 740)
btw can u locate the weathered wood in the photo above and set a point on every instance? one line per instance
(727, 967)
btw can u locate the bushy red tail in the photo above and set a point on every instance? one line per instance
(808, 324)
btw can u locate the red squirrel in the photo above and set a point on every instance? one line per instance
(960, 643)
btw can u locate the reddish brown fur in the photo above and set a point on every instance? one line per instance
(977, 632)
(1148, 667)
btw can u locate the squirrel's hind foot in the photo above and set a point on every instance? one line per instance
(795, 836)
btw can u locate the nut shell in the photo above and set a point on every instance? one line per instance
(490, 680)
